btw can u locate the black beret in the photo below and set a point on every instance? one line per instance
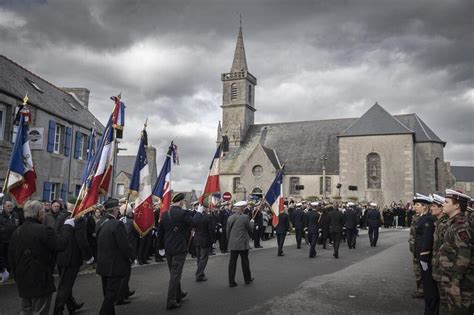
(111, 203)
(177, 197)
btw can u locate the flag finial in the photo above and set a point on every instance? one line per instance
(146, 123)
(119, 96)
(25, 99)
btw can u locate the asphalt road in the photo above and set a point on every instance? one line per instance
(366, 280)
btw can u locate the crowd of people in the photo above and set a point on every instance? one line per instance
(42, 239)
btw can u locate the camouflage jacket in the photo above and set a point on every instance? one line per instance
(441, 226)
(455, 253)
(411, 240)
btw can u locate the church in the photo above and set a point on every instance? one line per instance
(378, 157)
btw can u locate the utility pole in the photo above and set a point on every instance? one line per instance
(114, 168)
(323, 160)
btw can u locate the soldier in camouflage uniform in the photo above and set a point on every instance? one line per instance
(438, 237)
(456, 261)
(416, 265)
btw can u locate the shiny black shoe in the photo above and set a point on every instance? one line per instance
(233, 284)
(123, 302)
(130, 293)
(75, 307)
(201, 279)
(173, 306)
(249, 282)
(182, 296)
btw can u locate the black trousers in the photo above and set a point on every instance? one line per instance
(313, 240)
(256, 236)
(351, 237)
(325, 236)
(110, 288)
(373, 235)
(202, 254)
(4, 256)
(244, 257)
(336, 241)
(280, 242)
(223, 241)
(299, 236)
(175, 266)
(144, 246)
(430, 291)
(124, 288)
(64, 297)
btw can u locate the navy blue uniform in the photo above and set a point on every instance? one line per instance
(374, 221)
(312, 222)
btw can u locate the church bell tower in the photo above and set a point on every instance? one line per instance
(238, 101)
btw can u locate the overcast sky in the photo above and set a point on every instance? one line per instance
(313, 60)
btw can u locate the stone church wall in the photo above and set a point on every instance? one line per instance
(427, 155)
(397, 161)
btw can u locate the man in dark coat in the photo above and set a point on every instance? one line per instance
(9, 221)
(32, 250)
(324, 226)
(351, 219)
(173, 241)
(374, 221)
(297, 220)
(132, 237)
(114, 254)
(224, 215)
(281, 229)
(204, 237)
(312, 222)
(70, 260)
(336, 222)
(257, 226)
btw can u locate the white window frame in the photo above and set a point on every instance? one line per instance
(57, 139)
(3, 121)
(82, 149)
(55, 191)
(122, 188)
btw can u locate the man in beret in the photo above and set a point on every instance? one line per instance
(203, 239)
(174, 229)
(114, 254)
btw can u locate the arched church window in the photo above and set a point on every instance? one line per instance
(436, 174)
(233, 91)
(257, 171)
(374, 171)
(250, 94)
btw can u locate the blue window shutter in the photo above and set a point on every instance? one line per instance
(64, 192)
(46, 191)
(77, 144)
(67, 143)
(51, 134)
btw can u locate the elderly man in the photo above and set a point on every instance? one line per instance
(239, 230)
(32, 250)
(51, 218)
(174, 229)
(8, 223)
(374, 221)
(203, 239)
(114, 254)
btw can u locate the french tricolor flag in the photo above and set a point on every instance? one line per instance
(118, 115)
(99, 174)
(274, 197)
(212, 183)
(162, 187)
(140, 186)
(21, 181)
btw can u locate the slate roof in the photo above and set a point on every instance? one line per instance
(376, 121)
(304, 143)
(240, 61)
(463, 173)
(272, 157)
(15, 81)
(125, 163)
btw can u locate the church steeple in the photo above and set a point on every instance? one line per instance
(240, 61)
(238, 101)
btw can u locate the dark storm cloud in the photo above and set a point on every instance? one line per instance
(324, 59)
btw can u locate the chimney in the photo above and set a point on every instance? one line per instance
(80, 94)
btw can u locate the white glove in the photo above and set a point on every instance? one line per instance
(424, 265)
(220, 230)
(200, 209)
(69, 222)
(161, 252)
(90, 261)
(252, 221)
(256, 228)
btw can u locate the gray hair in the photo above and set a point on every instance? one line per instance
(32, 208)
